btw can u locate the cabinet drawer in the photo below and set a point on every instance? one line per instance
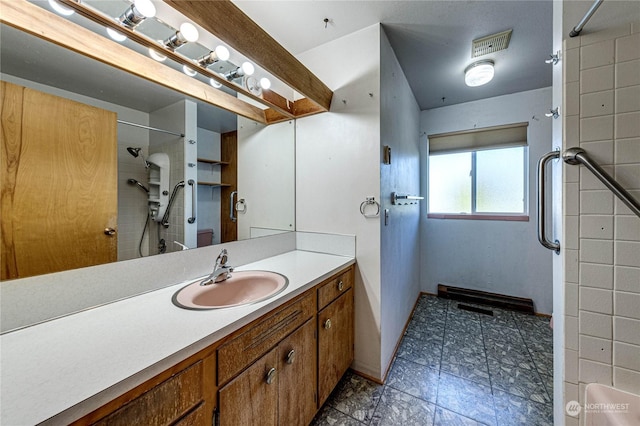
(334, 288)
(242, 350)
(164, 403)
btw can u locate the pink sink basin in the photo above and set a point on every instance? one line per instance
(241, 289)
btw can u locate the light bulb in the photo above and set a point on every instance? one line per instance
(59, 8)
(188, 71)
(222, 53)
(189, 32)
(119, 37)
(265, 83)
(214, 83)
(157, 56)
(478, 73)
(145, 7)
(248, 68)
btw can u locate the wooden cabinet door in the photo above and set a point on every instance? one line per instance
(297, 382)
(335, 343)
(59, 183)
(252, 397)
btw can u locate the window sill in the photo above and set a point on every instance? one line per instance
(503, 217)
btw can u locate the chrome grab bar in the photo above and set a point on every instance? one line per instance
(576, 30)
(575, 156)
(542, 231)
(193, 201)
(232, 206)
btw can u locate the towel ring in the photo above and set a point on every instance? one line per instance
(369, 201)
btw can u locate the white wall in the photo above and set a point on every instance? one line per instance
(266, 177)
(338, 165)
(132, 202)
(400, 247)
(209, 196)
(495, 256)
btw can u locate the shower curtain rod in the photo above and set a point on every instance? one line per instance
(155, 129)
(576, 30)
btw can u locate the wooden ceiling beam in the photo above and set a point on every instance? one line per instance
(226, 21)
(34, 20)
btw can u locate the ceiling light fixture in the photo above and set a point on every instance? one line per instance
(188, 71)
(137, 12)
(265, 83)
(220, 53)
(246, 68)
(478, 73)
(157, 56)
(117, 36)
(59, 8)
(215, 83)
(187, 33)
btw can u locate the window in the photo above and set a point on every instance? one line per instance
(469, 177)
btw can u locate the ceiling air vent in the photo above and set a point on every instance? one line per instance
(491, 43)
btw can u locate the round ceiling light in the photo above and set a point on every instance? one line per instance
(478, 73)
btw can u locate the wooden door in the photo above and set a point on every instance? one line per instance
(229, 175)
(335, 343)
(252, 398)
(297, 382)
(59, 183)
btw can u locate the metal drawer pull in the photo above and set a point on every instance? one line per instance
(340, 285)
(109, 231)
(291, 356)
(271, 375)
(327, 324)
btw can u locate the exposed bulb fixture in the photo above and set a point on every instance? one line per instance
(245, 69)
(61, 9)
(214, 83)
(157, 56)
(137, 12)
(187, 33)
(188, 71)
(117, 36)
(478, 73)
(265, 83)
(220, 53)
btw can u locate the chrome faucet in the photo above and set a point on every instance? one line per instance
(221, 272)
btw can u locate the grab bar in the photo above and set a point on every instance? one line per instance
(232, 206)
(576, 30)
(192, 183)
(575, 156)
(542, 231)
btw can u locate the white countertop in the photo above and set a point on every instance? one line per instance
(72, 365)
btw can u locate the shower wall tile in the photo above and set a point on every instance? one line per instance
(596, 104)
(626, 356)
(595, 372)
(626, 330)
(626, 380)
(571, 236)
(597, 54)
(628, 48)
(596, 325)
(596, 275)
(572, 199)
(596, 251)
(627, 74)
(571, 366)
(627, 254)
(601, 151)
(589, 182)
(627, 125)
(628, 175)
(627, 229)
(588, 37)
(571, 267)
(572, 65)
(598, 227)
(571, 299)
(626, 305)
(597, 79)
(596, 129)
(595, 349)
(620, 208)
(571, 332)
(627, 279)
(572, 132)
(628, 99)
(572, 99)
(627, 150)
(596, 300)
(596, 202)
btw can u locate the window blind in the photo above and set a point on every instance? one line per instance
(477, 139)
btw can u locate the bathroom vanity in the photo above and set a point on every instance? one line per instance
(273, 362)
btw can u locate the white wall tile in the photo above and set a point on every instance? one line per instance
(627, 228)
(597, 325)
(597, 79)
(635, 27)
(620, 208)
(627, 279)
(627, 73)
(596, 251)
(570, 173)
(595, 372)
(628, 99)
(595, 349)
(571, 268)
(626, 305)
(571, 299)
(627, 48)
(596, 202)
(626, 330)
(571, 65)
(590, 37)
(627, 150)
(596, 55)
(596, 129)
(571, 237)
(596, 300)
(571, 99)
(628, 175)
(596, 275)
(571, 130)
(626, 356)
(571, 198)
(597, 104)
(601, 151)
(598, 227)
(626, 380)
(570, 332)
(628, 253)
(571, 366)
(589, 181)
(627, 125)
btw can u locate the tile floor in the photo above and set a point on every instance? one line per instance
(456, 367)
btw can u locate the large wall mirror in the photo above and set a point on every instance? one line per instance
(179, 174)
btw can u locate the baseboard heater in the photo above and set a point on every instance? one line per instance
(519, 304)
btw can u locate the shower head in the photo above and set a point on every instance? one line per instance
(138, 184)
(134, 151)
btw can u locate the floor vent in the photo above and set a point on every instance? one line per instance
(490, 44)
(475, 309)
(482, 297)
